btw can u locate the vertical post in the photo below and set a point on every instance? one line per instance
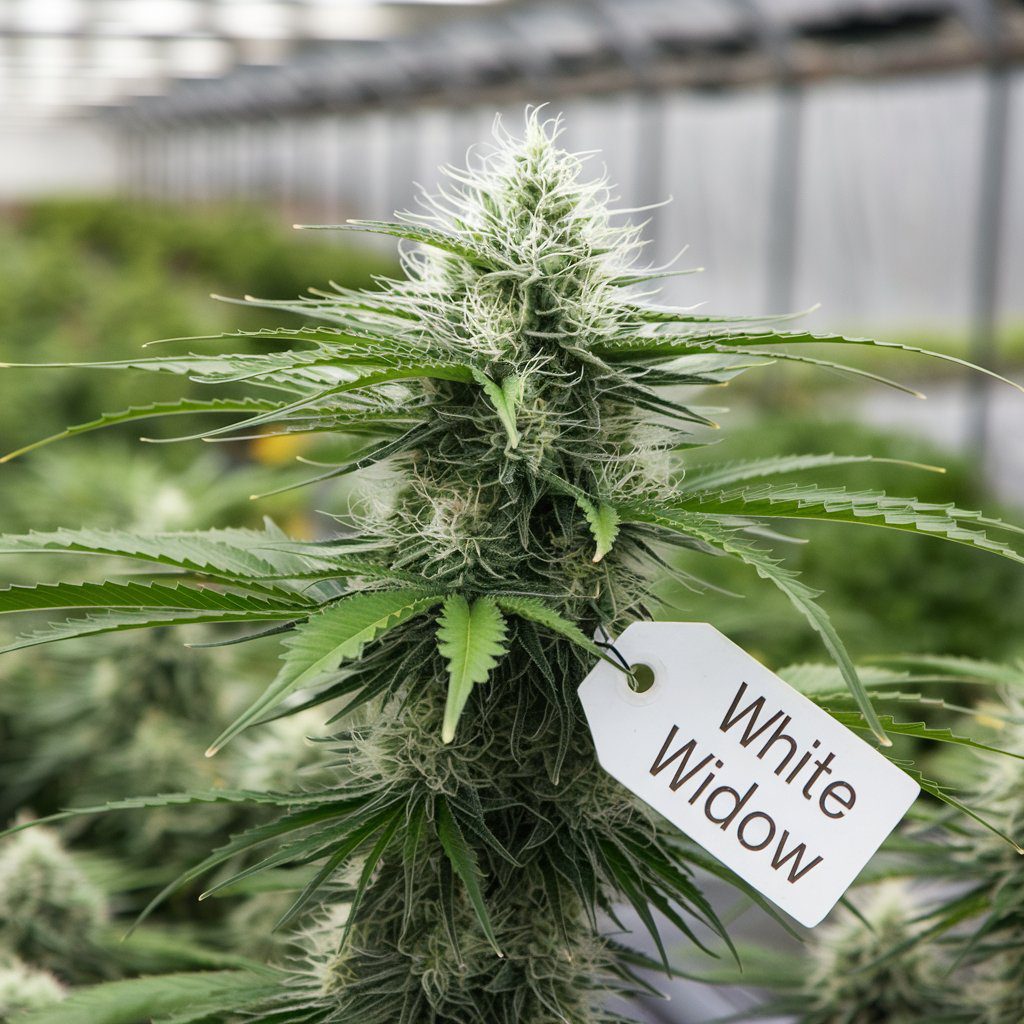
(987, 252)
(784, 199)
(650, 174)
(784, 183)
(145, 157)
(637, 51)
(245, 160)
(344, 205)
(460, 134)
(402, 153)
(163, 162)
(380, 128)
(130, 163)
(285, 133)
(194, 189)
(329, 146)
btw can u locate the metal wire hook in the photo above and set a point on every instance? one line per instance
(607, 645)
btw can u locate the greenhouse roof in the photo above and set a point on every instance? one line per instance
(547, 48)
(210, 58)
(57, 56)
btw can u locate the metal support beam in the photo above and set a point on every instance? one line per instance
(784, 184)
(984, 18)
(650, 175)
(784, 199)
(638, 53)
(987, 252)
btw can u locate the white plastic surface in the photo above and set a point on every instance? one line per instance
(764, 780)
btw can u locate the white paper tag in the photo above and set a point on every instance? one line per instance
(745, 765)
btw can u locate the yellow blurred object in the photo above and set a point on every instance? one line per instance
(989, 722)
(275, 449)
(300, 527)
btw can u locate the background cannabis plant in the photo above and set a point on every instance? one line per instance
(463, 859)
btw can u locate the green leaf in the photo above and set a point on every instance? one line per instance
(296, 372)
(135, 803)
(667, 345)
(186, 365)
(646, 350)
(795, 501)
(804, 337)
(943, 794)
(360, 460)
(317, 808)
(392, 822)
(816, 679)
(706, 367)
(544, 615)
(119, 621)
(960, 670)
(604, 525)
(506, 399)
(344, 313)
(681, 315)
(706, 478)
(143, 412)
(138, 1000)
(829, 364)
(471, 638)
(664, 885)
(227, 554)
(319, 645)
(464, 863)
(155, 950)
(620, 873)
(143, 596)
(435, 370)
(918, 730)
(351, 835)
(449, 243)
(645, 276)
(602, 518)
(412, 856)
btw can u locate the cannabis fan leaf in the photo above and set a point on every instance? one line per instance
(337, 633)
(471, 638)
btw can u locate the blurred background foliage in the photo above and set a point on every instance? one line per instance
(94, 279)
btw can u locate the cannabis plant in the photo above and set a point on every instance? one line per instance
(996, 947)
(985, 879)
(24, 988)
(466, 859)
(864, 968)
(48, 908)
(116, 718)
(62, 922)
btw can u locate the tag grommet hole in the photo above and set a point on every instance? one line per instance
(641, 677)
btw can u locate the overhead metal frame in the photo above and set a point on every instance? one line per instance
(201, 39)
(654, 45)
